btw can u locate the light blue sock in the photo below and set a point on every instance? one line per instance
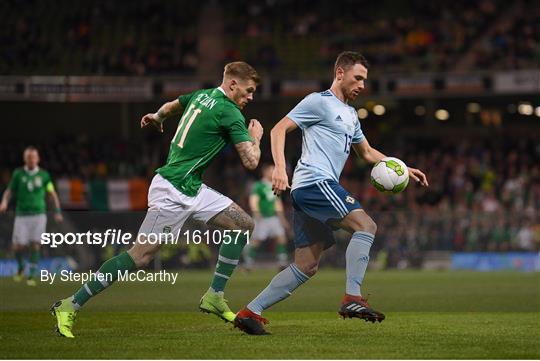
(281, 287)
(357, 257)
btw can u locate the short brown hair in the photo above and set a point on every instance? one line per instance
(348, 58)
(241, 70)
(30, 148)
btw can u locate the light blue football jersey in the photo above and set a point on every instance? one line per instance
(329, 127)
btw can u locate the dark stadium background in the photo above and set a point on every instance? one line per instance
(453, 89)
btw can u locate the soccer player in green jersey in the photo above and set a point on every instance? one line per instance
(29, 185)
(270, 222)
(211, 119)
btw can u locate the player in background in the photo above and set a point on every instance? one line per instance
(329, 128)
(211, 119)
(270, 222)
(29, 186)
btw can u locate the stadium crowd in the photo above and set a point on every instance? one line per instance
(412, 36)
(483, 195)
(283, 38)
(103, 37)
(512, 45)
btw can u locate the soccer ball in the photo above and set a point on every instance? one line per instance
(390, 175)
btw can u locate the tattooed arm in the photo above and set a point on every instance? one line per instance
(250, 152)
(165, 111)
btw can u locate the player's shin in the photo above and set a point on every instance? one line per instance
(281, 254)
(229, 255)
(357, 258)
(33, 263)
(19, 257)
(249, 255)
(281, 287)
(110, 269)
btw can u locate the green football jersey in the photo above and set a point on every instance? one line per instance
(29, 189)
(267, 198)
(209, 122)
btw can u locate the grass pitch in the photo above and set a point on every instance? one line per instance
(429, 315)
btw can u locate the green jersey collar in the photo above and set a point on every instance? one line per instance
(31, 171)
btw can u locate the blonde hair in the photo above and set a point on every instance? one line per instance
(241, 70)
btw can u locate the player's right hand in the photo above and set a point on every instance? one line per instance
(58, 217)
(255, 129)
(151, 119)
(280, 180)
(3, 207)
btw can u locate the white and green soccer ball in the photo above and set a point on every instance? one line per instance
(390, 175)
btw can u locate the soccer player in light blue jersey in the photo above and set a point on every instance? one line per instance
(330, 127)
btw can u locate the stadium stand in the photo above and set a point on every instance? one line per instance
(279, 37)
(134, 38)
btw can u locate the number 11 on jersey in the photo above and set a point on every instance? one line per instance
(194, 113)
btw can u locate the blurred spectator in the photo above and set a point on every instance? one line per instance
(525, 240)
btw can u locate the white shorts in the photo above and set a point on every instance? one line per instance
(168, 208)
(29, 229)
(268, 228)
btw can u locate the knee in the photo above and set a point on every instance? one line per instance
(144, 260)
(365, 224)
(308, 268)
(141, 257)
(370, 226)
(245, 224)
(249, 224)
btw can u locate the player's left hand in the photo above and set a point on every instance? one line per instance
(58, 217)
(151, 119)
(255, 129)
(280, 180)
(418, 176)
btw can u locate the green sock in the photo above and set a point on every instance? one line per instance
(249, 255)
(20, 261)
(281, 251)
(252, 252)
(229, 254)
(34, 260)
(110, 269)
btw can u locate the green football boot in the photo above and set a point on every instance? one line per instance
(18, 277)
(65, 314)
(213, 302)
